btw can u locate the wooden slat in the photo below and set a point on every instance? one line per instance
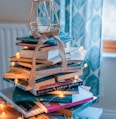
(109, 46)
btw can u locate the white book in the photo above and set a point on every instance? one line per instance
(45, 55)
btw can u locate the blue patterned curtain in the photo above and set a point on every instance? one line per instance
(82, 19)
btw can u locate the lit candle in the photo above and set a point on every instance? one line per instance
(17, 55)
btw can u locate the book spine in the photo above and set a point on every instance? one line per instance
(59, 87)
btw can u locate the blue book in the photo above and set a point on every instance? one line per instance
(63, 36)
(20, 95)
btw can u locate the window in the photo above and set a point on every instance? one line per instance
(109, 26)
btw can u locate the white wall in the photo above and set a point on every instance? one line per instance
(14, 10)
(108, 98)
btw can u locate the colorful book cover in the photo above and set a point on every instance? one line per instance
(68, 84)
(20, 95)
(82, 97)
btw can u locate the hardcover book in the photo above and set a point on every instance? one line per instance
(82, 97)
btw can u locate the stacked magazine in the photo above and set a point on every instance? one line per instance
(55, 87)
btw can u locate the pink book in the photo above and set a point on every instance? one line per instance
(82, 97)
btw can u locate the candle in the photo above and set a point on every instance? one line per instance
(17, 55)
(43, 24)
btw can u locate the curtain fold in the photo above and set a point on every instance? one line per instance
(82, 19)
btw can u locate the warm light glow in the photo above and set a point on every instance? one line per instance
(85, 65)
(61, 95)
(16, 81)
(3, 113)
(20, 118)
(75, 77)
(81, 48)
(12, 64)
(25, 47)
(17, 55)
(2, 105)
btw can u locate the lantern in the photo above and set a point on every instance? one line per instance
(43, 16)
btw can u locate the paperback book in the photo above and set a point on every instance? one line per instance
(68, 84)
(82, 97)
(28, 109)
(45, 55)
(20, 95)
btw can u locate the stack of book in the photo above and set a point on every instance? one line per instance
(55, 88)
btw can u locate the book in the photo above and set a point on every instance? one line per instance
(23, 73)
(95, 113)
(72, 111)
(27, 60)
(68, 75)
(28, 109)
(45, 55)
(29, 65)
(20, 95)
(50, 80)
(31, 39)
(68, 84)
(54, 115)
(82, 97)
(31, 45)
